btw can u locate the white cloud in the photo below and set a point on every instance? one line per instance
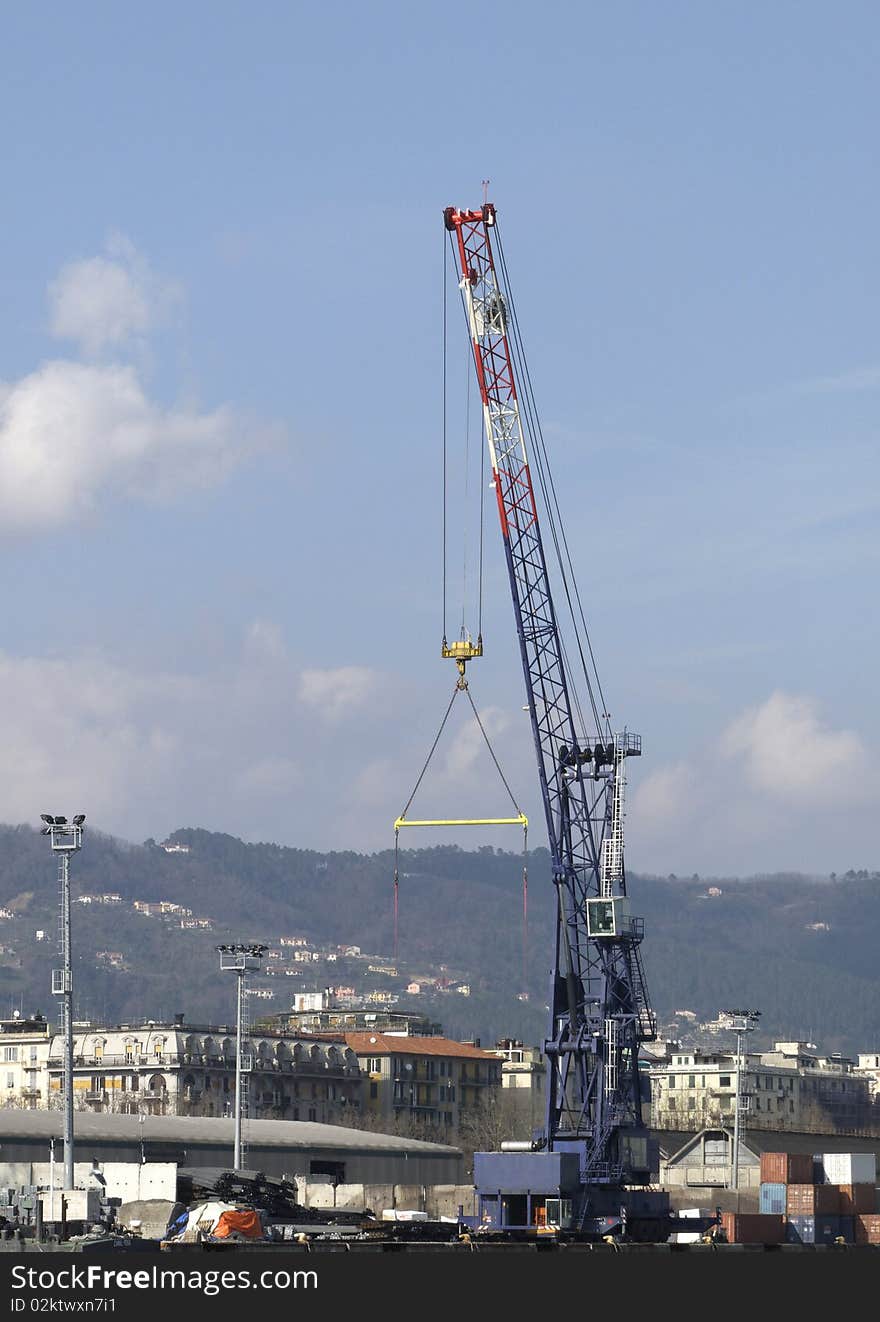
(779, 788)
(789, 754)
(105, 301)
(665, 799)
(468, 747)
(73, 433)
(142, 753)
(70, 432)
(336, 692)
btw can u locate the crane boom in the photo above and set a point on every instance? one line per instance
(599, 1011)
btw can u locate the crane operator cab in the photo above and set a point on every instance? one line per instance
(609, 916)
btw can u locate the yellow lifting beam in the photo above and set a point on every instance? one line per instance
(462, 652)
(521, 820)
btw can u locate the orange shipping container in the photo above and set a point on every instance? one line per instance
(753, 1228)
(867, 1228)
(813, 1199)
(856, 1198)
(786, 1168)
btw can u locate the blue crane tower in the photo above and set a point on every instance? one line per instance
(579, 1172)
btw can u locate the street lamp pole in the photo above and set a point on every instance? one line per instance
(66, 839)
(240, 959)
(741, 1022)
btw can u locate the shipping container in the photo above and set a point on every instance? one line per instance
(867, 1228)
(753, 1228)
(812, 1199)
(786, 1168)
(819, 1229)
(800, 1230)
(772, 1199)
(849, 1167)
(857, 1198)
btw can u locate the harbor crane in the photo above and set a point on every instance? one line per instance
(586, 1165)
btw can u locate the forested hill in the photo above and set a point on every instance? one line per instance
(803, 950)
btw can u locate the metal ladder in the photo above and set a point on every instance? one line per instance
(646, 1017)
(611, 871)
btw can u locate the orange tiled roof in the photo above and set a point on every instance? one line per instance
(386, 1044)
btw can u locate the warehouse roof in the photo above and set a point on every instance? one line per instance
(388, 1044)
(674, 1143)
(210, 1130)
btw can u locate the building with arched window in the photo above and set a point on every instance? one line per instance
(186, 1069)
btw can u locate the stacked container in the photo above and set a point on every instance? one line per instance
(857, 1199)
(752, 1228)
(821, 1229)
(786, 1168)
(823, 1198)
(812, 1200)
(778, 1171)
(867, 1228)
(848, 1168)
(772, 1199)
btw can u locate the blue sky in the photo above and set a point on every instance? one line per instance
(220, 410)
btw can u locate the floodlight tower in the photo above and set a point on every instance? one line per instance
(241, 959)
(66, 839)
(740, 1022)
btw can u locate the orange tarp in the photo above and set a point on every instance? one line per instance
(239, 1223)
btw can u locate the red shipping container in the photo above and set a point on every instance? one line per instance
(813, 1199)
(786, 1168)
(867, 1228)
(753, 1228)
(856, 1198)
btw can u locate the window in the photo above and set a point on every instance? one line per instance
(692, 1103)
(10, 1080)
(313, 1114)
(10, 1053)
(672, 1080)
(374, 1065)
(724, 1081)
(691, 1080)
(333, 1171)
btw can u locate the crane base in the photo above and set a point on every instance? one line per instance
(542, 1192)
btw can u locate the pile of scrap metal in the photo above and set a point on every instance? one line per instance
(220, 1207)
(217, 1204)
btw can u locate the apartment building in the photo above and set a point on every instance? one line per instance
(432, 1082)
(792, 1087)
(24, 1050)
(178, 1069)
